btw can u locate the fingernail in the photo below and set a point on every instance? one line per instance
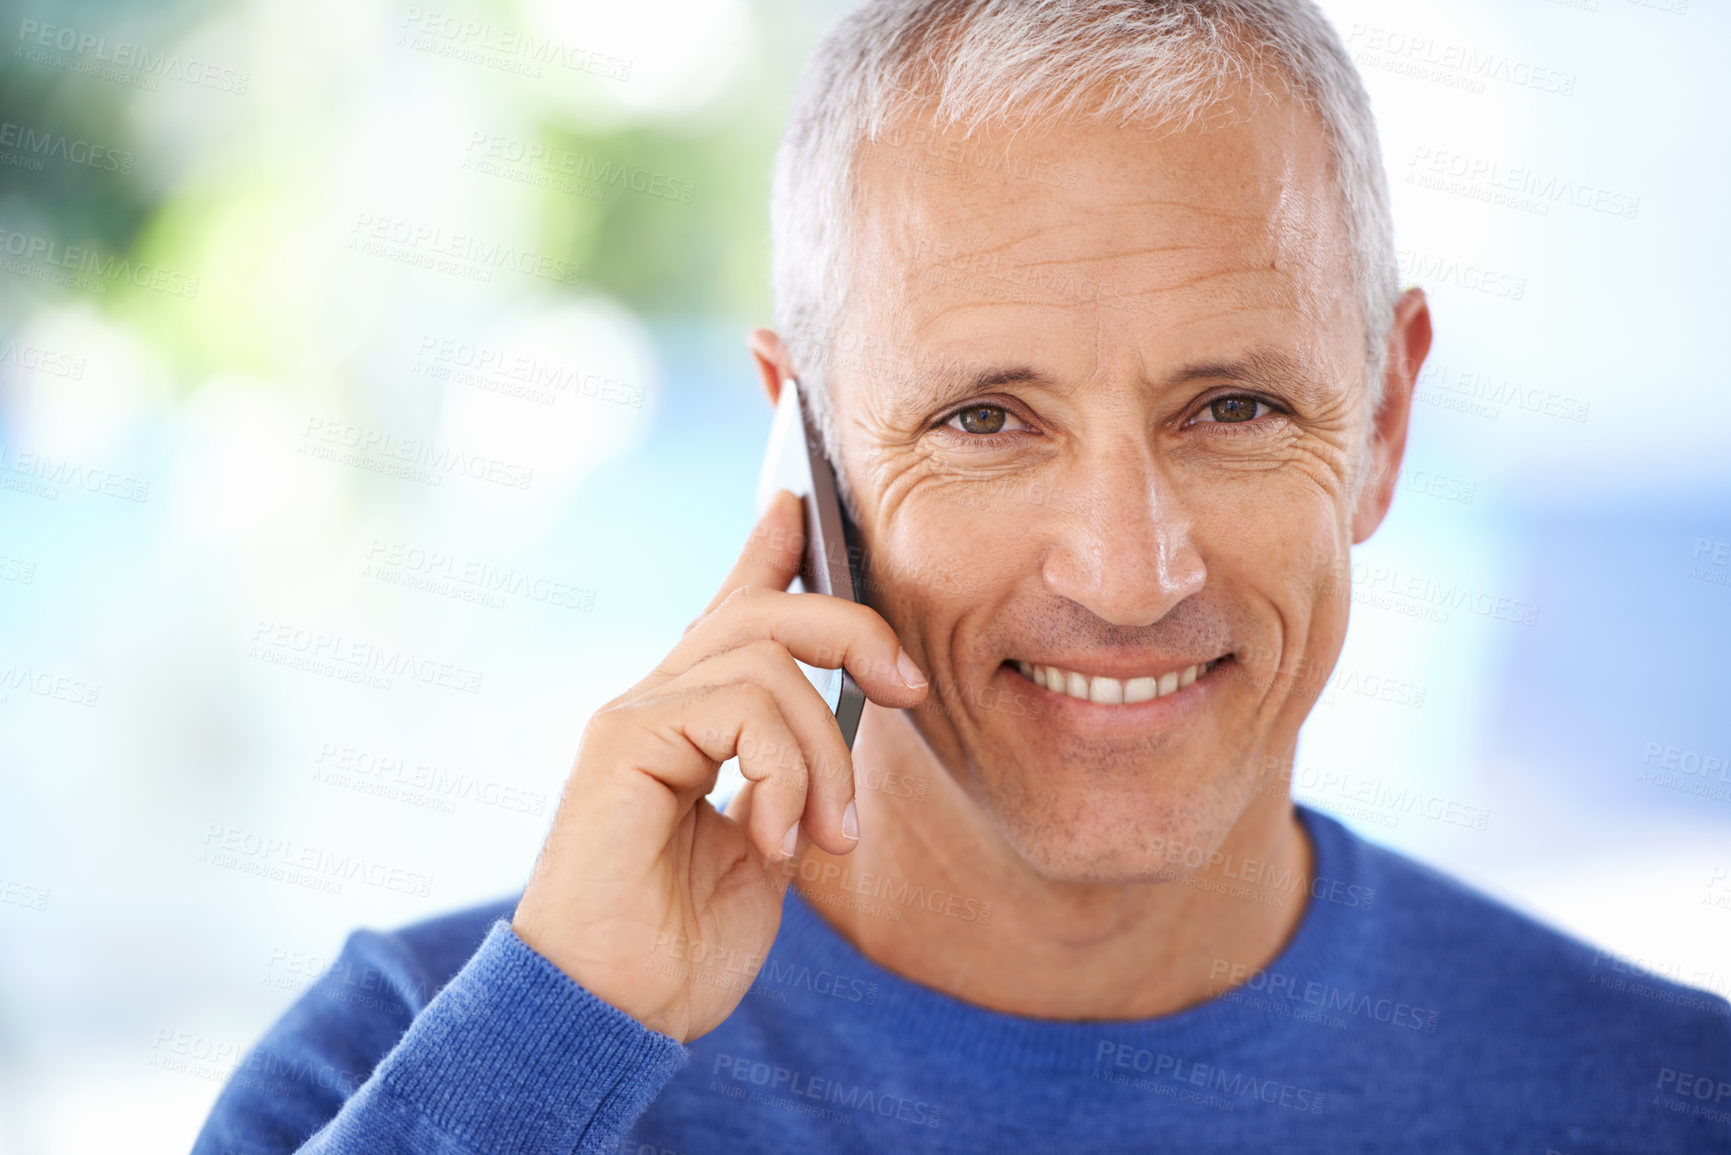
(909, 671)
(790, 841)
(850, 821)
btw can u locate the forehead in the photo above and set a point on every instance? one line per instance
(1072, 246)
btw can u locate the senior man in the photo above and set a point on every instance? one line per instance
(1096, 302)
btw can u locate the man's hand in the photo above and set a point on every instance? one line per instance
(644, 893)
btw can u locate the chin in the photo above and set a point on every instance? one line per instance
(1113, 836)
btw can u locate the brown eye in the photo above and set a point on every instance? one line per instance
(983, 419)
(1230, 410)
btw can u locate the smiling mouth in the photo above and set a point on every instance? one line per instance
(1106, 691)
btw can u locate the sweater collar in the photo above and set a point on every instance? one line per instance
(1325, 946)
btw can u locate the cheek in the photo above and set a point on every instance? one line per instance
(1283, 540)
(946, 553)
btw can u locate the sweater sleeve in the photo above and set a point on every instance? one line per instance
(511, 1055)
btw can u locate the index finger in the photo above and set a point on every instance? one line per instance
(772, 553)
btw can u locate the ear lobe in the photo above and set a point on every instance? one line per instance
(772, 360)
(1409, 339)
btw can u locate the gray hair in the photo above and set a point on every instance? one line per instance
(1037, 63)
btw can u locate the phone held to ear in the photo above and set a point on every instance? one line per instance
(796, 461)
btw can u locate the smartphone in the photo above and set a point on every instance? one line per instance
(796, 461)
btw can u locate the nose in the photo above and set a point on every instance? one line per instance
(1122, 544)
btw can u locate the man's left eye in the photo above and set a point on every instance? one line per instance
(1235, 410)
(984, 420)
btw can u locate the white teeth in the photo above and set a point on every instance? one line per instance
(1141, 690)
(1111, 691)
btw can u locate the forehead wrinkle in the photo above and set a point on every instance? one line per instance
(963, 250)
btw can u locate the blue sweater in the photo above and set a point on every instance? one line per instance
(1406, 1014)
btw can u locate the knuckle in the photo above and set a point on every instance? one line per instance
(873, 625)
(758, 697)
(772, 756)
(735, 601)
(769, 651)
(603, 720)
(833, 771)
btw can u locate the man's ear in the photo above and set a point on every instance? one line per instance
(1408, 344)
(772, 360)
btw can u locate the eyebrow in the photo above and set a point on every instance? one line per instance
(1262, 367)
(948, 387)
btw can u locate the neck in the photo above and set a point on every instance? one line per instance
(934, 893)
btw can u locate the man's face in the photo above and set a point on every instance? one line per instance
(1105, 419)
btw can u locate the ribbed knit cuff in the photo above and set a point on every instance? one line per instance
(514, 1056)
